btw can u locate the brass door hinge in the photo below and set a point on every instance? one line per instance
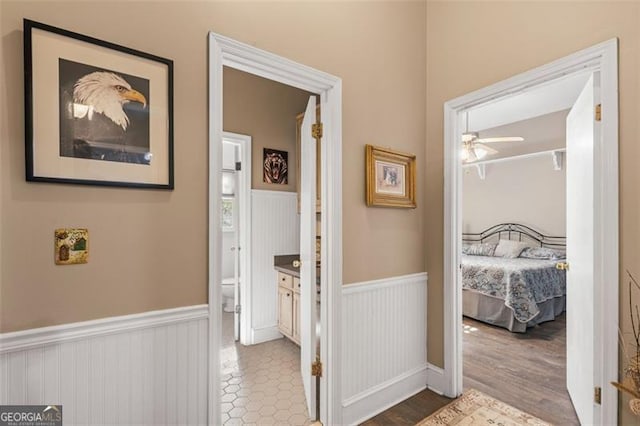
(597, 395)
(599, 112)
(316, 367)
(316, 130)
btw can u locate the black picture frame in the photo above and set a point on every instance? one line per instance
(112, 124)
(275, 166)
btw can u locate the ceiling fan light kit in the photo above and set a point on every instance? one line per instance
(469, 154)
(473, 148)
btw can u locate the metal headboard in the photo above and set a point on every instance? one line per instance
(514, 231)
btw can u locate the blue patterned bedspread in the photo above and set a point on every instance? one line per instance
(521, 283)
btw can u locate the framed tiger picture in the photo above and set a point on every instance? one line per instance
(275, 166)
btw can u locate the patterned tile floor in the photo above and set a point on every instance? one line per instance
(261, 384)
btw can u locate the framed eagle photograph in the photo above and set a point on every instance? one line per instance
(95, 112)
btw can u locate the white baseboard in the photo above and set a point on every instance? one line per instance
(361, 407)
(265, 334)
(436, 380)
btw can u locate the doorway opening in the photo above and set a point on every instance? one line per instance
(262, 378)
(225, 52)
(592, 312)
(514, 232)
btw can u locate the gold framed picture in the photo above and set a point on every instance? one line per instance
(390, 178)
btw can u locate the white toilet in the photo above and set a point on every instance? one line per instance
(227, 294)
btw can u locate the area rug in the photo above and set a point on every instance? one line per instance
(474, 408)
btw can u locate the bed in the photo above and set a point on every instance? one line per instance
(509, 276)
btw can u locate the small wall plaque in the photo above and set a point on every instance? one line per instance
(275, 166)
(71, 246)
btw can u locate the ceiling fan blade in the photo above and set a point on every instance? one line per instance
(485, 147)
(502, 139)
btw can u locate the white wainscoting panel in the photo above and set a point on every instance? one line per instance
(384, 344)
(142, 369)
(275, 229)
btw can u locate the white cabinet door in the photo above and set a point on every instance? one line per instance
(296, 317)
(285, 322)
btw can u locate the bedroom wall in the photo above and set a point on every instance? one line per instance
(506, 39)
(527, 191)
(266, 111)
(149, 248)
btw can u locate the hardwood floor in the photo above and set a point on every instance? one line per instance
(410, 411)
(525, 370)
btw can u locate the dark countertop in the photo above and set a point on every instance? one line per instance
(283, 263)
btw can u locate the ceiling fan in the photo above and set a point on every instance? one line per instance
(474, 148)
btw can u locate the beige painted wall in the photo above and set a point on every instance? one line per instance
(526, 191)
(506, 38)
(266, 111)
(149, 248)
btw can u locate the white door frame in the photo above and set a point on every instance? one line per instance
(244, 228)
(602, 57)
(224, 51)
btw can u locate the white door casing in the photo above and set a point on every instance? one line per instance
(237, 204)
(243, 208)
(582, 133)
(602, 58)
(224, 51)
(308, 254)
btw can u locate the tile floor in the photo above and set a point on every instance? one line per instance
(261, 384)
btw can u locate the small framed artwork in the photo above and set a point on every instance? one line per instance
(390, 178)
(71, 246)
(276, 166)
(96, 113)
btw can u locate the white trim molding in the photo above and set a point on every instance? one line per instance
(384, 359)
(265, 334)
(367, 286)
(224, 51)
(603, 58)
(383, 396)
(244, 223)
(436, 379)
(36, 337)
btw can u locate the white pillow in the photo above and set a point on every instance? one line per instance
(510, 249)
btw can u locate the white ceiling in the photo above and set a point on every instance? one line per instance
(537, 114)
(556, 95)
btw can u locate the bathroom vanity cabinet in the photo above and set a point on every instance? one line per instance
(289, 306)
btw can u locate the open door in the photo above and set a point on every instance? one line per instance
(308, 254)
(583, 132)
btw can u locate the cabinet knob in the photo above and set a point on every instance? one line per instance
(296, 263)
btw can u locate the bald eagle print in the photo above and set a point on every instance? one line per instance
(104, 114)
